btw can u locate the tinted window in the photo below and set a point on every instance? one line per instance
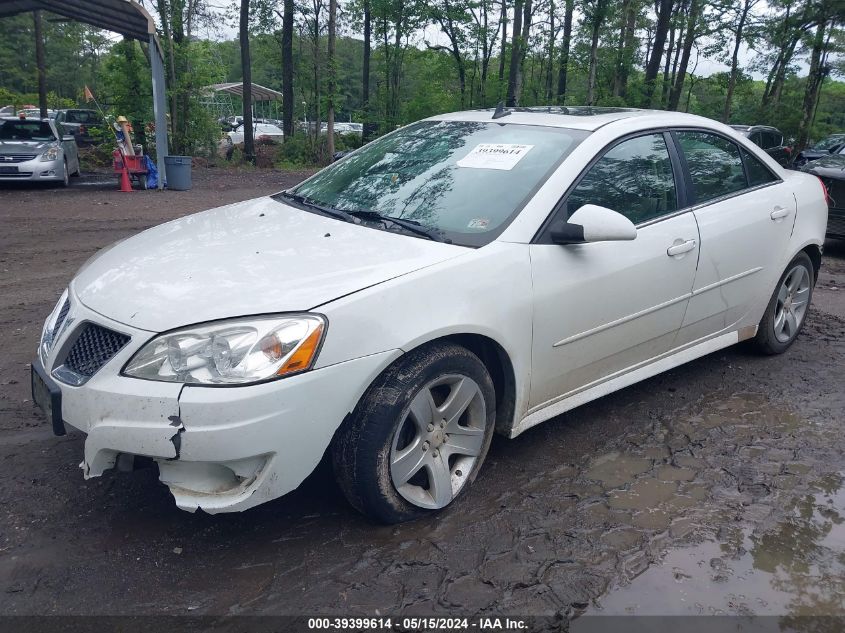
(714, 164)
(758, 173)
(756, 138)
(771, 139)
(634, 178)
(467, 179)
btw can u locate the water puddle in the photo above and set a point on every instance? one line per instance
(793, 565)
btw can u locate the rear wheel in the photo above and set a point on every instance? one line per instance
(787, 309)
(419, 435)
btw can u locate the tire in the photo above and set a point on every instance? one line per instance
(787, 310)
(390, 435)
(65, 175)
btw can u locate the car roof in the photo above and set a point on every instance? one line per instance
(587, 118)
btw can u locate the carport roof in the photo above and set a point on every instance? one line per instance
(125, 17)
(259, 93)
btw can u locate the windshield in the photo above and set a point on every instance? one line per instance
(26, 131)
(830, 141)
(467, 180)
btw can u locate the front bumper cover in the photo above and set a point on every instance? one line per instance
(221, 449)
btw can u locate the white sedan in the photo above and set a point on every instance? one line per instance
(260, 130)
(470, 273)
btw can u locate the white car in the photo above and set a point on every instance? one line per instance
(260, 130)
(472, 272)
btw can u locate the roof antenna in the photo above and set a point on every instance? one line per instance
(500, 110)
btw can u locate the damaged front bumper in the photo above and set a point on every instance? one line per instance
(218, 449)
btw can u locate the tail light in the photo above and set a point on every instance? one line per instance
(788, 150)
(826, 194)
(82, 129)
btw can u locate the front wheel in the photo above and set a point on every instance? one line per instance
(787, 309)
(419, 435)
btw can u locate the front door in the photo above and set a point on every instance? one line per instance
(602, 308)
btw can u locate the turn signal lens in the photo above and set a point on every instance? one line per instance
(301, 359)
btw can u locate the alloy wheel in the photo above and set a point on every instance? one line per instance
(438, 441)
(792, 300)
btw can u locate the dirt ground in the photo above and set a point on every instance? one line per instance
(715, 488)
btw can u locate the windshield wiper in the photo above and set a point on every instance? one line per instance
(357, 216)
(307, 202)
(409, 225)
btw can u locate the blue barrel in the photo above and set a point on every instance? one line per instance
(178, 170)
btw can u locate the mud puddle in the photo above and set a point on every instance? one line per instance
(795, 567)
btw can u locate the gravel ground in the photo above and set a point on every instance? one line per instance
(714, 488)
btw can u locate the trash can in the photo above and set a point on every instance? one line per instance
(178, 171)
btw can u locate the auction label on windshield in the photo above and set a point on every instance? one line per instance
(502, 156)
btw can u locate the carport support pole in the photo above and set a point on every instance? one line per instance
(159, 106)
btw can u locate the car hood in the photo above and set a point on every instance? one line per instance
(830, 166)
(253, 257)
(16, 147)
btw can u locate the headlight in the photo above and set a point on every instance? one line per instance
(51, 328)
(51, 153)
(234, 352)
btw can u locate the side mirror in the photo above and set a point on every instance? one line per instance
(338, 155)
(592, 223)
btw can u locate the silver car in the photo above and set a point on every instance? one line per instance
(35, 150)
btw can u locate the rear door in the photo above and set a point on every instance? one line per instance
(745, 215)
(602, 308)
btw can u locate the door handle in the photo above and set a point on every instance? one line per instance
(681, 248)
(779, 213)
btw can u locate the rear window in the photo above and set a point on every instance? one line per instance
(83, 116)
(26, 131)
(714, 164)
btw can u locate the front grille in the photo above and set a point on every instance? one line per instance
(16, 158)
(94, 348)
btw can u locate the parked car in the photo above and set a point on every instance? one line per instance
(819, 150)
(80, 124)
(348, 128)
(769, 139)
(260, 130)
(471, 272)
(34, 150)
(35, 113)
(831, 170)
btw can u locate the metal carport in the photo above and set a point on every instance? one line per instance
(126, 17)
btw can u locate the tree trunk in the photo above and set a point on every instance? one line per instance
(504, 21)
(551, 54)
(514, 79)
(740, 27)
(664, 91)
(246, 62)
(287, 69)
(330, 62)
(365, 77)
(811, 93)
(664, 15)
(623, 52)
(564, 52)
(40, 64)
(598, 18)
(689, 40)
